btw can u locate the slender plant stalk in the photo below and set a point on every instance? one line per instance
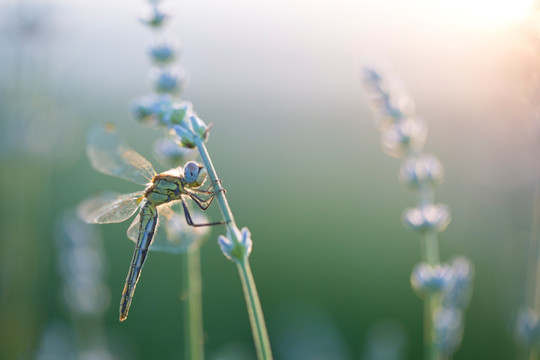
(220, 192)
(533, 290)
(535, 247)
(430, 255)
(193, 320)
(256, 317)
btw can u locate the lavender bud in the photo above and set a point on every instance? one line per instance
(170, 81)
(177, 113)
(151, 108)
(403, 137)
(199, 127)
(448, 329)
(423, 170)
(184, 136)
(163, 52)
(156, 18)
(459, 295)
(427, 279)
(171, 154)
(527, 328)
(427, 218)
(236, 251)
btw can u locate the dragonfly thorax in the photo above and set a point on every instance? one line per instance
(172, 184)
(165, 188)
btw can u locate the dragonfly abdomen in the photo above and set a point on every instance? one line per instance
(147, 228)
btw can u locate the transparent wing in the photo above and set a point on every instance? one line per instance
(133, 231)
(109, 207)
(110, 155)
(174, 235)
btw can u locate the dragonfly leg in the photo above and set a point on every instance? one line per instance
(210, 186)
(190, 222)
(200, 191)
(202, 204)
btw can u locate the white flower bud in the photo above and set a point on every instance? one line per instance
(423, 170)
(199, 126)
(427, 279)
(427, 217)
(236, 251)
(163, 52)
(184, 137)
(527, 328)
(448, 329)
(171, 81)
(156, 18)
(403, 137)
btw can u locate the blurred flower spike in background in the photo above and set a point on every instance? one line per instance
(445, 288)
(527, 328)
(170, 155)
(82, 266)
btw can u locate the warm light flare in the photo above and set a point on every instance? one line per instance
(493, 12)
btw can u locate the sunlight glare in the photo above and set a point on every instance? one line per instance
(493, 12)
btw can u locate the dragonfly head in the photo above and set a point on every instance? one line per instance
(194, 174)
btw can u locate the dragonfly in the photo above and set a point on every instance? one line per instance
(110, 155)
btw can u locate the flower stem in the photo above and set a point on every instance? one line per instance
(193, 320)
(256, 317)
(220, 192)
(430, 255)
(258, 326)
(535, 251)
(533, 271)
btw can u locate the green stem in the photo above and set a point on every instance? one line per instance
(256, 317)
(220, 192)
(533, 354)
(430, 255)
(533, 271)
(535, 250)
(258, 326)
(431, 248)
(193, 320)
(431, 302)
(427, 329)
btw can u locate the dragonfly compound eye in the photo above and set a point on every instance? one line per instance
(194, 173)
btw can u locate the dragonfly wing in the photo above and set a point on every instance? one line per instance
(173, 235)
(133, 231)
(109, 207)
(176, 236)
(110, 155)
(164, 213)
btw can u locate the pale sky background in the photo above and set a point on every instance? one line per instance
(473, 59)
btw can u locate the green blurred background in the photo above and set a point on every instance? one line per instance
(296, 146)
